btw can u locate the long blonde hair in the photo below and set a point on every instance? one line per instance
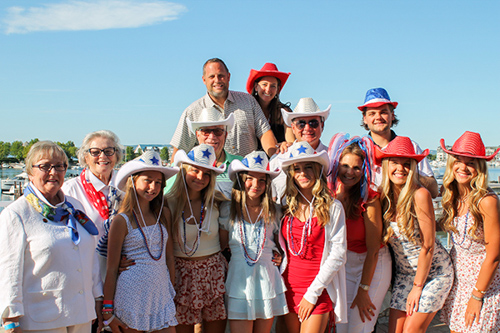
(401, 208)
(479, 189)
(178, 194)
(130, 200)
(322, 196)
(239, 197)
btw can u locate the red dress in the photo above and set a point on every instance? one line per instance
(302, 269)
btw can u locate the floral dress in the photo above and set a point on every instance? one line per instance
(468, 254)
(438, 283)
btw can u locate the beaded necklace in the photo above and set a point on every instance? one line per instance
(464, 234)
(306, 230)
(259, 240)
(144, 236)
(186, 249)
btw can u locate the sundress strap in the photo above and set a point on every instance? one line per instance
(129, 226)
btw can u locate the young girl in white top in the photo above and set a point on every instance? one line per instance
(255, 291)
(200, 267)
(141, 297)
(314, 238)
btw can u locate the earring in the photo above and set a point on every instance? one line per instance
(256, 93)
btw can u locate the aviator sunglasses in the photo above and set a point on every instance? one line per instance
(216, 131)
(313, 123)
(109, 151)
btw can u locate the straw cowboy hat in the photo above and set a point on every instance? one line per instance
(210, 117)
(306, 107)
(471, 145)
(401, 146)
(256, 161)
(269, 69)
(202, 156)
(148, 161)
(377, 97)
(303, 152)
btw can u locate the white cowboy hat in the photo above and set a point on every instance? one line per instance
(210, 117)
(306, 107)
(202, 156)
(303, 152)
(148, 161)
(256, 161)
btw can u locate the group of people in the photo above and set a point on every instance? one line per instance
(254, 220)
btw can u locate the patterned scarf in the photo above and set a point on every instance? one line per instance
(97, 199)
(66, 212)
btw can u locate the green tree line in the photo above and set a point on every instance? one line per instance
(17, 151)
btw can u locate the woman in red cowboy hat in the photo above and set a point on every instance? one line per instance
(265, 85)
(471, 215)
(424, 271)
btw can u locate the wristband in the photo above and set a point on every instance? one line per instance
(480, 291)
(365, 287)
(418, 285)
(107, 302)
(107, 322)
(11, 326)
(480, 299)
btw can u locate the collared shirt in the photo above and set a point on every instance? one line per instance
(249, 125)
(424, 168)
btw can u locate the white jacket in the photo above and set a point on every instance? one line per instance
(331, 274)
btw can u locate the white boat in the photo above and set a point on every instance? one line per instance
(20, 180)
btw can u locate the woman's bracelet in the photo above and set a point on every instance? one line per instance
(480, 291)
(12, 325)
(107, 322)
(479, 299)
(417, 285)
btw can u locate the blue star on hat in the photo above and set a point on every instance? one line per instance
(302, 149)
(206, 153)
(154, 160)
(258, 159)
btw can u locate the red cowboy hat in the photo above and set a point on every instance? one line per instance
(469, 144)
(401, 146)
(269, 69)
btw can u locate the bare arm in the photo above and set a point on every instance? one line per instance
(427, 225)
(373, 235)
(489, 208)
(268, 142)
(174, 151)
(289, 136)
(430, 184)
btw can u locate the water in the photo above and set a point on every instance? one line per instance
(493, 173)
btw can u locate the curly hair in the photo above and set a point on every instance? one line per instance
(479, 189)
(323, 198)
(239, 197)
(401, 208)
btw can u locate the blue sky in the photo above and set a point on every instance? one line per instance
(71, 67)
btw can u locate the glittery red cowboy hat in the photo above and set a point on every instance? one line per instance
(469, 144)
(401, 146)
(269, 69)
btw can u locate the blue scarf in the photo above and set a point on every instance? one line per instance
(65, 212)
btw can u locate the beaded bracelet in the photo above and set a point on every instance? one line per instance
(480, 291)
(480, 299)
(11, 325)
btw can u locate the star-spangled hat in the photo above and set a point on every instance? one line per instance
(377, 97)
(256, 161)
(303, 152)
(471, 145)
(201, 156)
(148, 161)
(306, 107)
(210, 117)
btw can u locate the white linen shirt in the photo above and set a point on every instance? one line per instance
(74, 188)
(250, 123)
(45, 278)
(331, 273)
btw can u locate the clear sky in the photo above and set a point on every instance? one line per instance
(71, 67)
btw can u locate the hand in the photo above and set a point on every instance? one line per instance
(116, 325)
(364, 304)
(277, 258)
(98, 311)
(125, 264)
(305, 309)
(412, 300)
(284, 147)
(473, 312)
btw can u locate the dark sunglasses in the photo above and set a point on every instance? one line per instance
(313, 123)
(216, 131)
(110, 151)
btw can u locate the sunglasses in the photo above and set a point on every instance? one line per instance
(95, 152)
(313, 123)
(216, 131)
